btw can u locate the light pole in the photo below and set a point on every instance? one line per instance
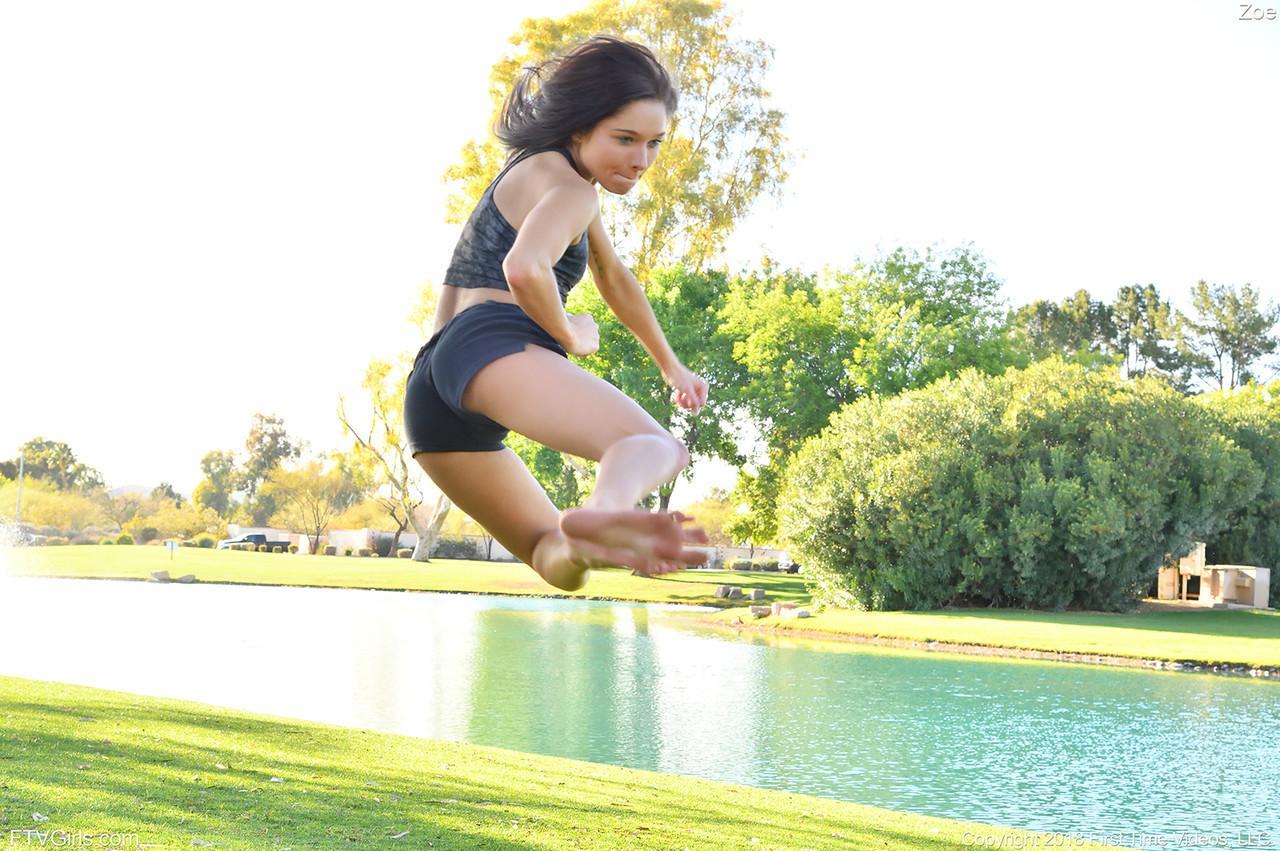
(22, 457)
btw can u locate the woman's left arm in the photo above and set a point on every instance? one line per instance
(626, 298)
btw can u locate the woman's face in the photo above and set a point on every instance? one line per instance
(621, 147)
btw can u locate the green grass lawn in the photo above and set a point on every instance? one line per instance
(183, 775)
(487, 577)
(1248, 637)
(1207, 636)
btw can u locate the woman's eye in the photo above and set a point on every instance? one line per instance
(655, 143)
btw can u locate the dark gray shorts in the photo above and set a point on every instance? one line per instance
(434, 419)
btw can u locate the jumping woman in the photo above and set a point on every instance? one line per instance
(497, 360)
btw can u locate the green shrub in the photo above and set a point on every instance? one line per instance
(766, 564)
(293, 548)
(330, 550)
(55, 541)
(106, 541)
(363, 552)
(205, 542)
(1050, 487)
(454, 548)
(262, 548)
(124, 538)
(1250, 416)
(147, 534)
(404, 552)
(374, 555)
(739, 564)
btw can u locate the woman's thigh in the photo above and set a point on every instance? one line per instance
(547, 398)
(496, 490)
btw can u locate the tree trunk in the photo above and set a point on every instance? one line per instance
(428, 524)
(395, 541)
(664, 494)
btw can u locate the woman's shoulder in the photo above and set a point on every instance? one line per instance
(537, 175)
(549, 167)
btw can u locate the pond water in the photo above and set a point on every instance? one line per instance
(1048, 746)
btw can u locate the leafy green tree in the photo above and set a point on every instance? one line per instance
(268, 446)
(396, 481)
(1148, 335)
(165, 492)
(219, 483)
(803, 346)
(685, 304)
(724, 149)
(566, 480)
(712, 513)
(1231, 332)
(55, 462)
(1079, 328)
(753, 521)
(311, 496)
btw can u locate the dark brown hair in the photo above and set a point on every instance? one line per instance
(578, 89)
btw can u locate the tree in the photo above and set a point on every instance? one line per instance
(724, 149)
(685, 304)
(805, 346)
(1232, 332)
(268, 446)
(1147, 335)
(310, 496)
(54, 461)
(215, 490)
(380, 447)
(754, 518)
(712, 513)
(1080, 329)
(121, 508)
(566, 479)
(165, 492)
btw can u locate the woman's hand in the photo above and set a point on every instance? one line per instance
(688, 390)
(586, 335)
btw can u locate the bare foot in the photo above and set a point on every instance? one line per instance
(647, 542)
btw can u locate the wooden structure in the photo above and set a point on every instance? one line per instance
(1233, 586)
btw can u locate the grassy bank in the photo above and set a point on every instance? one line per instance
(183, 775)
(483, 577)
(1237, 637)
(1207, 636)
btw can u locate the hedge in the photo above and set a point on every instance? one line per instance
(1050, 487)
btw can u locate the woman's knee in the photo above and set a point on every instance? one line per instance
(682, 453)
(679, 452)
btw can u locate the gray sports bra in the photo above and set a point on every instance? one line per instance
(488, 236)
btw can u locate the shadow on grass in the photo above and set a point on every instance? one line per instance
(156, 763)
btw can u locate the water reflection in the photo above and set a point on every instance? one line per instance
(1043, 745)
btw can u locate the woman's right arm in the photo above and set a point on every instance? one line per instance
(555, 221)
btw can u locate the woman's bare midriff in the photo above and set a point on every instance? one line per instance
(465, 297)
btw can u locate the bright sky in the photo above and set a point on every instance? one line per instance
(208, 210)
